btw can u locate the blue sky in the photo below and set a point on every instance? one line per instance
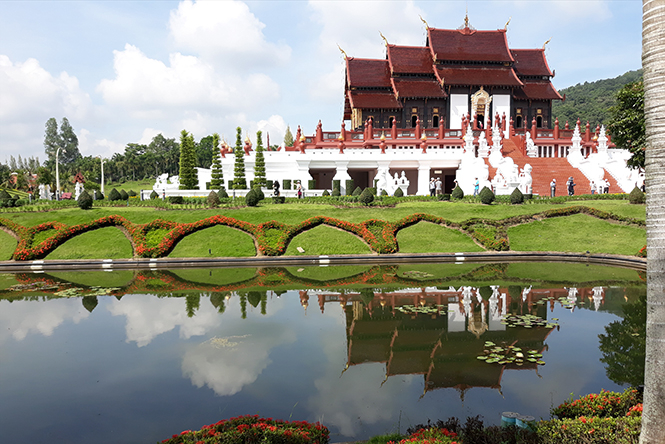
(124, 71)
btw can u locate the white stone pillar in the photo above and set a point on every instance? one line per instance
(342, 174)
(423, 177)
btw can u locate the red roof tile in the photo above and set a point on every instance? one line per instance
(373, 100)
(410, 59)
(469, 45)
(531, 62)
(461, 75)
(538, 91)
(367, 73)
(417, 87)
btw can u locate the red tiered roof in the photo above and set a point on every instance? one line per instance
(537, 91)
(409, 59)
(367, 73)
(476, 75)
(531, 62)
(469, 45)
(417, 87)
(373, 100)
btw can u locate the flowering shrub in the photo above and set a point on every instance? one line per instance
(254, 430)
(432, 435)
(590, 430)
(602, 405)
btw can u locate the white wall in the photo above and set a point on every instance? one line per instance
(459, 106)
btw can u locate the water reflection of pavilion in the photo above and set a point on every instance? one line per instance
(443, 346)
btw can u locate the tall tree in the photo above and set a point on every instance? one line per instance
(188, 174)
(288, 137)
(239, 182)
(626, 123)
(70, 143)
(204, 152)
(653, 63)
(259, 162)
(51, 139)
(217, 181)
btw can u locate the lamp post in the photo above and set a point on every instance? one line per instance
(102, 184)
(57, 176)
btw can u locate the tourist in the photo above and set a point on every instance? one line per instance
(299, 190)
(476, 186)
(553, 188)
(571, 186)
(607, 186)
(593, 187)
(438, 186)
(432, 186)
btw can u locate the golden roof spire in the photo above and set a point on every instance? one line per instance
(505, 28)
(423, 20)
(342, 51)
(544, 44)
(384, 38)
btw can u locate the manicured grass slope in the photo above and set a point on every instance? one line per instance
(221, 241)
(105, 243)
(425, 237)
(7, 246)
(577, 233)
(326, 240)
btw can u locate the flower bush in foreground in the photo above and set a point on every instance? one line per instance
(432, 435)
(602, 405)
(254, 430)
(585, 430)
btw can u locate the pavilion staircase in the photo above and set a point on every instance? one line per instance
(547, 168)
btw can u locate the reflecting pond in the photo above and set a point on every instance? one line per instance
(136, 356)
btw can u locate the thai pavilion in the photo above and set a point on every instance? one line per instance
(461, 108)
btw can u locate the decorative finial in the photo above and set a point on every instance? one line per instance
(466, 20)
(505, 28)
(423, 20)
(383, 136)
(342, 51)
(550, 39)
(302, 138)
(384, 38)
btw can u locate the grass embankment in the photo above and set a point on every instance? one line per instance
(572, 233)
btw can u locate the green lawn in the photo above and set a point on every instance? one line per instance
(220, 240)
(104, 243)
(326, 240)
(323, 273)
(570, 272)
(577, 233)
(107, 278)
(7, 246)
(215, 276)
(425, 237)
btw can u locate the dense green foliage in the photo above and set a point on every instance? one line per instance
(288, 137)
(399, 192)
(84, 201)
(627, 125)
(213, 199)
(486, 196)
(366, 197)
(114, 195)
(188, 176)
(357, 192)
(349, 184)
(637, 196)
(217, 180)
(457, 193)
(154, 195)
(239, 182)
(260, 163)
(591, 101)
(516, 197)
(124, 195)
(251, 198)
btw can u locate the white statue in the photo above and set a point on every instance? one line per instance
(598, 293)
(531, 149)
(78, 189)
(483, 150)
(526, 181)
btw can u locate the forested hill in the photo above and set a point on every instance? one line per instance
(590, 101)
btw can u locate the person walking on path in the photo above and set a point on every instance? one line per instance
(571, 186)
(553, 188)
(476, 186)
(593, 187)
(299, 190)
(607, 186)
(439, 184)
(432, 186)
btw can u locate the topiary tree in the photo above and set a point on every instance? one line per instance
(288, 137)
(357, 191)
(349, 187)
(188, 175)
(124, 195)
(114, 195)
(217, 180)
(311, 184)
(239, 182)
(384, 193)
(259, 192)
(516, 197)
(223, 194)
(153, 195)
(457, 193)
(636, 196)
(366, 197)
(325, 193)
(213, 199)
(399, 192)
(486, 196)
(259, 163)
(132, 193)
(286, 184)
(251, 198)
(336, 192)
(84, 201)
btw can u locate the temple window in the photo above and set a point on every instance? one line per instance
(414, 120)
(391, 119)
(435, 121)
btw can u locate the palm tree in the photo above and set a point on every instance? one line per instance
(653, 63)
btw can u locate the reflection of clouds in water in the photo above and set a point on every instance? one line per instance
(149, 316)
(227, 364)
(357, 397)
(22, 317)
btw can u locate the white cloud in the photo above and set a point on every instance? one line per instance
(225, 33)
(21, 318)
(148, 316)
(90, 146)
(227, 364)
